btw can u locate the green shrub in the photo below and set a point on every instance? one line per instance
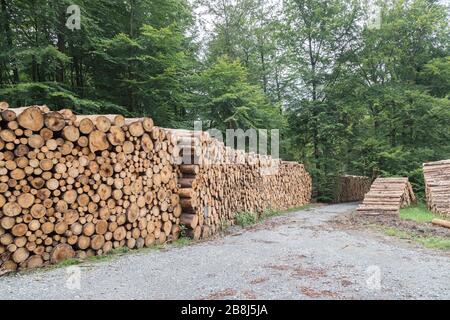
(245, 219)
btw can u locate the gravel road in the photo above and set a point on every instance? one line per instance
(297, 256)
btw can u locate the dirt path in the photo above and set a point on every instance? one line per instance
(298, 256)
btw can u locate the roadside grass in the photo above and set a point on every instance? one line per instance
(245, 219)
(109, 256)
(431, 242)
(94, 259)
(67, 263)
(182, 242)
(113, 254)
(418, 213)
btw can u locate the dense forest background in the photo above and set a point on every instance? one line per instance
(347, 97)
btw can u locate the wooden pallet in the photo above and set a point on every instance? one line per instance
(437, 183)
(387, 196)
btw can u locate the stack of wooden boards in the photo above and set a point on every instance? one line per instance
(217, 182)
(352, 188)
(388, 196)
(437, 183)
(77, 186)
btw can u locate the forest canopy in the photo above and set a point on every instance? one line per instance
(350, 95)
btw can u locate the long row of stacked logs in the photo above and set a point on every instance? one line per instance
(82, 185)
(352, 188)
(216, 182)
(79, 186)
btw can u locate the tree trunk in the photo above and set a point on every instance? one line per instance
(9, 38)
(61, 45)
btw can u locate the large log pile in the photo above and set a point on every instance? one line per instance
(388, 196)
(79, 186)
(352, 188)
(437, 183)
(217, 182)
(82, 185)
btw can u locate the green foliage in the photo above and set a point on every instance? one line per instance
(228, 101)
(245, 219)
(55, 96)
(247, 30)
(150, 69)
(377, 106)
(123, 60)
(347, 99)
(435, 76)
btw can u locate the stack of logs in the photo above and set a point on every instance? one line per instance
(352, 188)
(388, 196)
(79, 186)
(82, 185)
(217, 182)
(437, 183)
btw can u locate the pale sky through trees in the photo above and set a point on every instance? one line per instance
(201, 13)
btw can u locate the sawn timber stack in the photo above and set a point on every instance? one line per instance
(437, 183)
(388, 196)
(352, 188)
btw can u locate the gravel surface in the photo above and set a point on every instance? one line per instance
(297, 256)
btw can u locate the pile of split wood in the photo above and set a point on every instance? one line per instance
(352, 188)
(217, 182)
(82, 185)
(437, 183)
(78, 186)
(388, 196)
